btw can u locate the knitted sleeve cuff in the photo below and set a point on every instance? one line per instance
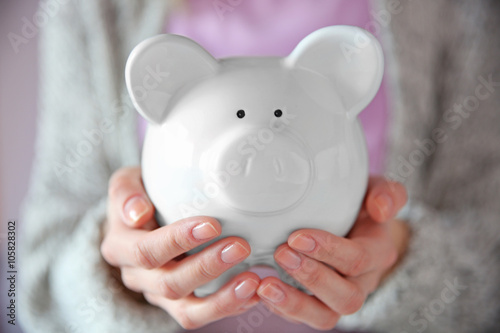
(446, 281)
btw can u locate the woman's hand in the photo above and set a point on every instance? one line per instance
(148, 257)
(340, 272)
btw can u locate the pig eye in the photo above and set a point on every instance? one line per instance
(240, 114)
(278, 113)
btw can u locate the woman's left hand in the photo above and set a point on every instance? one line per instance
(340, 272)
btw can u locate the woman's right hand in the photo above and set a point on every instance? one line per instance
(147, 256)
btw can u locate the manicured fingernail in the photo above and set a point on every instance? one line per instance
(204, 231)
(233, 253)
(304, 243)
(135, 208)
(246, 289)
(384, 204)
(288, 258)
(272, 293)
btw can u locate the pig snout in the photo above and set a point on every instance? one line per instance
(262, 172)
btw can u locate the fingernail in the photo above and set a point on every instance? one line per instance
(135, 208)
(288, 258)
(204, 231)
(272, 293)
(304, 243)
(233, 253)
(246, 289)
(384, 204)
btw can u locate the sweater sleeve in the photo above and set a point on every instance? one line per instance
(450, 163)
(66, 286)
(447, 282)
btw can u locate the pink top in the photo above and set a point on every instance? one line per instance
(274, 28)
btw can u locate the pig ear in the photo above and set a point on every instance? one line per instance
(159, 67)
(349, 57)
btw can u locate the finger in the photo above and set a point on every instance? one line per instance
(255, 300)
(117, 246)
(128, 196)
(384, 198)
(178, 279)
(351, 257)
(270, 306)
(152, 249)
(368, 282)
(295, 305)
(338, 293)
(192, 312)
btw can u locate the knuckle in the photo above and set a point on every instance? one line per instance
(184, 319)
(295, 309)
(354, 300)
(108, 252)
(358, 264)
(325, 254)
(310, 273)
(151, 298)
(329, 250)
(207, 270)
(129, 280)
(169, 289)
(143, 257)
(223, 308)
(117, 183)
(178, 241)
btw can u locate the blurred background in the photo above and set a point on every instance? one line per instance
(18, 105)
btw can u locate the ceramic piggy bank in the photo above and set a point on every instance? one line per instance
(266, 145)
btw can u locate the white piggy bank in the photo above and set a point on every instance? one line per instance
(266, 145)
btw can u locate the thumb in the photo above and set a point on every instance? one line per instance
(384, 198)
(127, 195)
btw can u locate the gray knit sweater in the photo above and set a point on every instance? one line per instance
(445, 146)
